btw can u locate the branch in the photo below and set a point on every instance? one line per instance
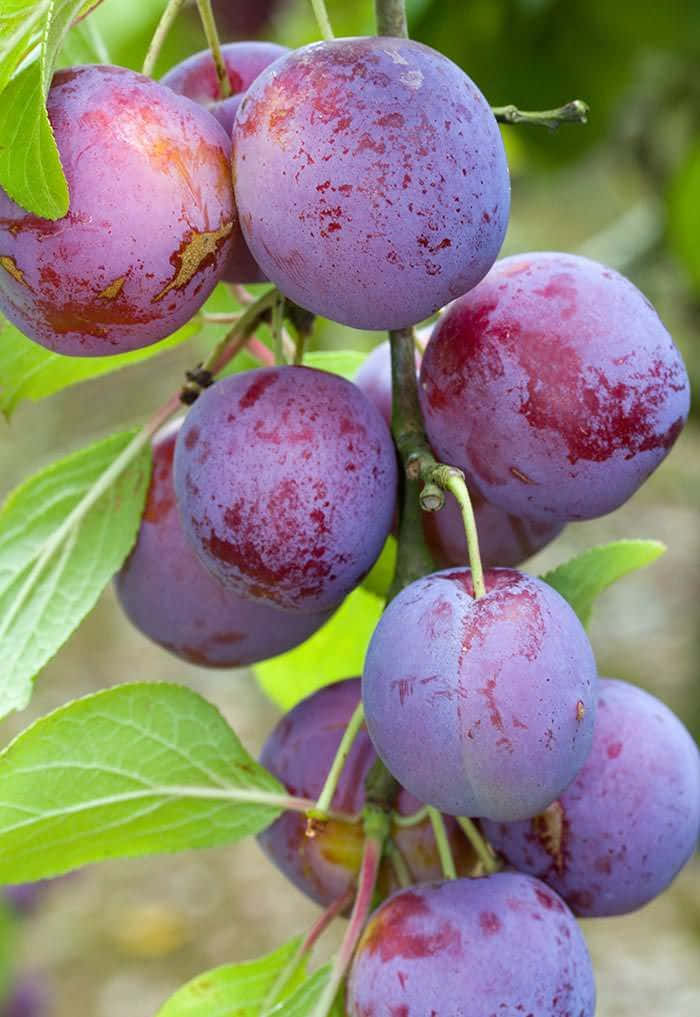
(574, 112)
(391, 18)
(164, 25)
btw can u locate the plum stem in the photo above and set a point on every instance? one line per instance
(233, 342)
(454, 483)
(162, 28)
(320, 809)
(315, 932)
(206, 16)
(391, 18)
(487, 856)
(442, 843)
(574, 112)
(369, 868)
(262, 353)
(276, 322)
(322, 19)
(413, 558)
(398, 863)
(413, 820)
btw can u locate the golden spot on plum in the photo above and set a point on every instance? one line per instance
(193, 254)
(10, 266)
(112, 291)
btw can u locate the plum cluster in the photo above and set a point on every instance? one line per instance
(366, 179)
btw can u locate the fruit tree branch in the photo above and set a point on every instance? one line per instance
(574, 112)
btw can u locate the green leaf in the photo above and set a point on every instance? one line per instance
(336, 651)
(133, 770)
(234, 990)
(342, 362)
(20, 29)
(381, 576)
(30, 166)
(302, 1002)
(29, 371)
(584, 577)
(60, 544)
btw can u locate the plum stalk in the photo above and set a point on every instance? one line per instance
(163, 27)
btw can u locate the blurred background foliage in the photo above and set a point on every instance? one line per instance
(624, 189)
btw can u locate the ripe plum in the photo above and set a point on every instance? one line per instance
(300, 751)
(286, 482)
(481, 707)
(630, 820)
(169, 595)
(371, 180)
(503, 944)
(555, 386)
(150, 224)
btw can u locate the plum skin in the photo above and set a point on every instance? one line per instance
(300, 751)
(481, 707)
(141, 247)
(196, 78)
(554, 385)
(502, 944)
(371, 180)
(621, 832)
(170, 597)
(286, 483)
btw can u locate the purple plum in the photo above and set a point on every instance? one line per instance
(481, 707)
(371, 180)
(501, 946)
(554, 385)
(286, 483)
(151, 220)
(630, 820)
(168, 594)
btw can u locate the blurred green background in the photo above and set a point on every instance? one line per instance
(624, 189)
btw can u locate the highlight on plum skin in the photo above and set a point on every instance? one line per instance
(371, 180)
(504, 539)
(300, 751)
(140, 249)
(196, 78)
(555, 386)
(625, 827)
(170, 597)
(481, 707)
(286, 482)
(504, 943)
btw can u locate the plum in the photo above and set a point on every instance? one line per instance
(168, 594)
(150, 225)
(621, 832)
(554, 385)
(481, 707)
(286, 481)
(501, 945)
(371, 180)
